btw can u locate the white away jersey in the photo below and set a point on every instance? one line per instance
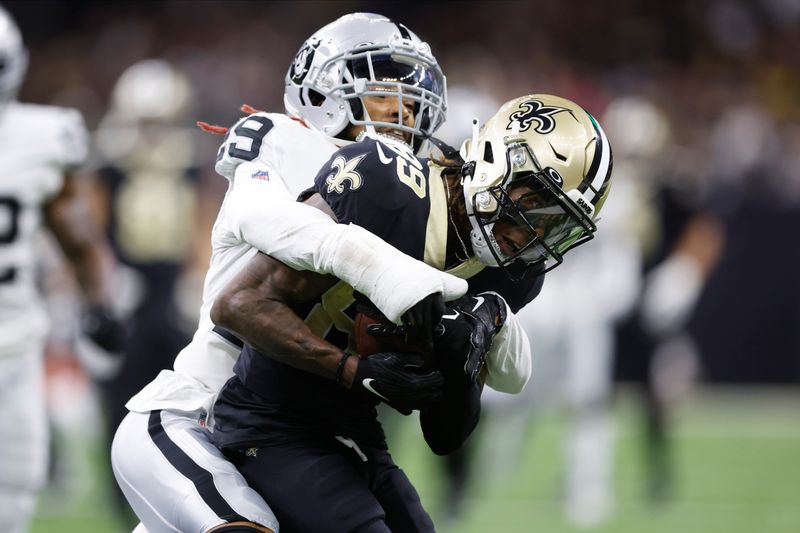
(38, 145)
(269, 158)
(274, 146)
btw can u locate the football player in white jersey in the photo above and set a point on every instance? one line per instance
(42, 148)
(360, 71)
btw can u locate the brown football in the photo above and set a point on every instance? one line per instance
(366, 344)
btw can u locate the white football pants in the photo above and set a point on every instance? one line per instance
(176, 480)
(24, 437)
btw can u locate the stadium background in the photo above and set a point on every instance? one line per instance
(725, 73)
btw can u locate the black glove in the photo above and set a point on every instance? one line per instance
(396, 379)
(421, 320)
(101, 347)
(468, 329)
(104, 329)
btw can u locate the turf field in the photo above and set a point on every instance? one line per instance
(737, 456)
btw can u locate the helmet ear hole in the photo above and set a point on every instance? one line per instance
(315, 98)
(488, 153)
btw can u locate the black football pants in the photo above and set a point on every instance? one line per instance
(317, 486)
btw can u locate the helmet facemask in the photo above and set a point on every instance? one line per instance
(398, 75)
(397, 70)
(527, 219)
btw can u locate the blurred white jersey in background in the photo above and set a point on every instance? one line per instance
(38, 145)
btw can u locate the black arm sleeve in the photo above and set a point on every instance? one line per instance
(447, 423)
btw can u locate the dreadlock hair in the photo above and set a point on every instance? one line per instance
(452, 164)
(222, 130)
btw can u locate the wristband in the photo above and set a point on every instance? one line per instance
(340, 366)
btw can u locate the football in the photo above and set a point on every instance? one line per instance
(367, 344)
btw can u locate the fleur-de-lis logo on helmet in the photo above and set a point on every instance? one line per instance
(534, 110)
(342, 172)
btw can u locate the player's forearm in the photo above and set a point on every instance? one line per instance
(83, 243)
(94, 267)
(274, 330)
(254, 305)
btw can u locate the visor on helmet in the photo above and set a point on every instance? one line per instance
(399, 73)
(393, 69)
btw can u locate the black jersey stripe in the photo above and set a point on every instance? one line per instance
(200, 477)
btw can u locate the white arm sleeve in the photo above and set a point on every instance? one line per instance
(508, 363)
(305, 238)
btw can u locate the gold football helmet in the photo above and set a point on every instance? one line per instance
(536, 177)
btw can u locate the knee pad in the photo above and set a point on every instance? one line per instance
(238, 528)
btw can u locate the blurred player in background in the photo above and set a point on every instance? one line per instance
(573, 323)
(680, 241)
(42, 150)
(162, 451)
(146, 157)
(533, 182)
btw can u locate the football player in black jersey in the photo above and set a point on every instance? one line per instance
(298, 419)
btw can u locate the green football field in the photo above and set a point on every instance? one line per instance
(736, 455)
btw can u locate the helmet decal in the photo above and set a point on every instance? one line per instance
(531, 110)
(303, 59)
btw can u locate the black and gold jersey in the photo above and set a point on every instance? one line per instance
(381, 186)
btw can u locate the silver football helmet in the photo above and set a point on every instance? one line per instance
(363, 54)
(536, 178)
(13, 58)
